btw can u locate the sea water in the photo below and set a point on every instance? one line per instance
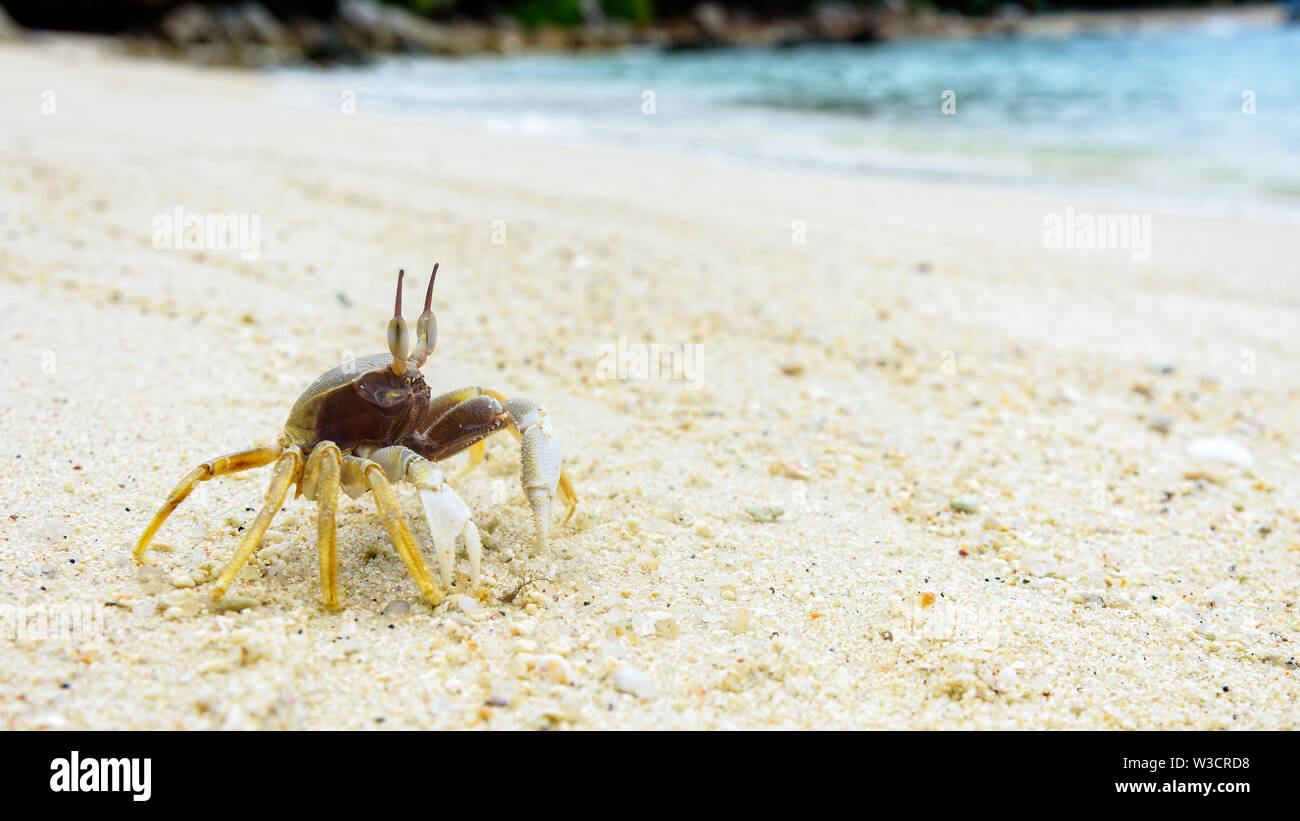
(1207, 115)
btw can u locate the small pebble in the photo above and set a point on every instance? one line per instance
(965, 504)
(764, 513)
(236, 603)
(667, 628)
(1221, 449)
(790, 470)
(1006, 680)
(467, 604)
(396, 607)
(631, 680)
(555, 668)
(1159, 422)
(643, 625)
(741, 618)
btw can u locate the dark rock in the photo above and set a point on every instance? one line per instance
(271, 32)
(377, 27)
(189, 24)
(547, 37)
(1010, 12)
(592, 13)
(506, 37)
(602, 36)
(655, 36)
(254, 24)
(255, 37)
(365, 23)
(324, 44)
(843, 22)
(244, 35)
(9, 30)
(711, 20)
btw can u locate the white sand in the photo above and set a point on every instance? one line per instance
(1110, 579)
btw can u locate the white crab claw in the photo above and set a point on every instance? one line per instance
(449, 517)
(541, 462)
(447, 513)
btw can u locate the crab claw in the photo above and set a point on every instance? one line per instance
(541, 461)
(448, 518)
(447, 513)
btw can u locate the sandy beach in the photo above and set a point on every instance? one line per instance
(917, 468)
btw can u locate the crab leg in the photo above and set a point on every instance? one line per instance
(457, 423)
(565, 488)
(320, 481)
(440, 405)
(476, 452)
(540, 461)
(286, 468)
(222, 465)
(466, 424)
(541, 472)
(398, 530)
(474, 413)
(447, 513)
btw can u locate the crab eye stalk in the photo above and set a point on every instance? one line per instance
(426, 327)
(399, 337)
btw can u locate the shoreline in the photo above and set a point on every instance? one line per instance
(582, 107)
(1235, 206)
(999, 467)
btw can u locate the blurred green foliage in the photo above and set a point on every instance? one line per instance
(427, 7)
(633, 11)
(533, 13)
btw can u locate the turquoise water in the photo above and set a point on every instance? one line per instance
(1158, 114)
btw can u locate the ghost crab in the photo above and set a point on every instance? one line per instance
(373, 421)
